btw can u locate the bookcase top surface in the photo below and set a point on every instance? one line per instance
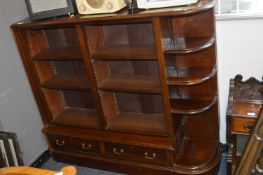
(122, 15)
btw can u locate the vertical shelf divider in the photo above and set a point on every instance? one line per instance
(161, 62)
(87, 61)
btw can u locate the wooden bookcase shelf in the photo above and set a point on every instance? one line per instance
(125, 52)
(191, 106)
(56, 54)
(188, 45)
(191, 69)
(132, 93)
(86, 118)
(67, 83)
(138, 123)
(128, 83)
(192, 76)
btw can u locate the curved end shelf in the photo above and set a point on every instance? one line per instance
(197, 157)
(191, 106)
(191, 45)
(191, 81)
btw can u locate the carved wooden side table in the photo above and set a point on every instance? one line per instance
(244, 104)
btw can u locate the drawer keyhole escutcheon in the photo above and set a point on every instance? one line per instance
(146, 155)
(85, 147)
(115, 151)
(60, 143)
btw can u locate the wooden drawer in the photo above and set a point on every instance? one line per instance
(242, 125)
(74, 144)
(141, 154)
(121, 151)
(246, 109)
(60, 142)
(86, 146)
(153, 155)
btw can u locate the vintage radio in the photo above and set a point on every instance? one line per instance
(39, 9)
(99, 6)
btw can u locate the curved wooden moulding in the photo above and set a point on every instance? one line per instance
(192, 45)
(191, 106)
(189, 161)
(185, 81)
(249, 90)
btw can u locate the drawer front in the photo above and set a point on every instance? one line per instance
(121, 151)
(60, 142)
(153, 155)
(139, 154)
(246, 109)
(74, 144)
(242, 125)
(86, 146)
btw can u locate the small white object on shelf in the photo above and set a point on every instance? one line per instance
(148, 4)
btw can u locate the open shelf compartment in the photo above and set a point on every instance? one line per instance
(193, 99)
(134, 112)
(199, 147)
(188, 34)
(191, 69)
(66, 75)
(121, 41)
(197, 154)
(72, 108)
(128, 76)
(54, 44)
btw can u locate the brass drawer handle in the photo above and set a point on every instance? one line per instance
(84, 147)
(60, 143)
(115, 151)
(146, 155)
(248, 126)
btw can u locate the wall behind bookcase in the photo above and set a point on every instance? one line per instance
(18, 110)
(240, 51)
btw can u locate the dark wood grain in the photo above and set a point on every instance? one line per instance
(77, 117)
(196, 154)
(244, 106)
(189, 45)
(56, 54)
(125, 52)
(67, 83)
(126, 83)
(193, 77)
(143, 82)
(191, 106)
(138, 123)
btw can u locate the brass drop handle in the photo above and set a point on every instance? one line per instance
(146, 155)
(85, 147)
(115, 151)
(60, 143)
(248, 126)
